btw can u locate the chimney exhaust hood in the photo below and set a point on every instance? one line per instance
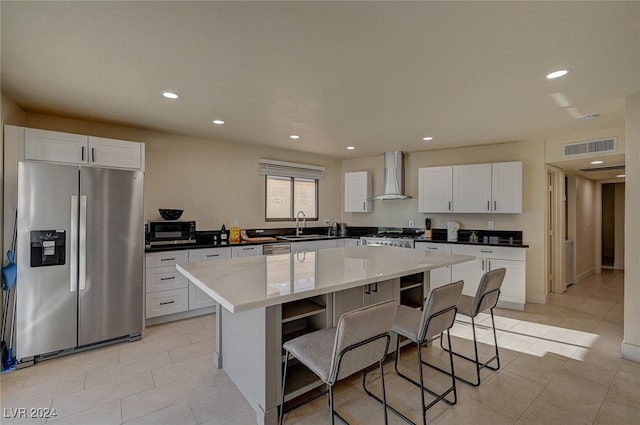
(393, 177)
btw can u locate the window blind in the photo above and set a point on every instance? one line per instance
(290, 169)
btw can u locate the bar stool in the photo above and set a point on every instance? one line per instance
(486, 298)
(360, 339)
(421, 327)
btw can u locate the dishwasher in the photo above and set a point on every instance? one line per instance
(276, 248)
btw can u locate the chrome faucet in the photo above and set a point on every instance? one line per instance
(304, 222)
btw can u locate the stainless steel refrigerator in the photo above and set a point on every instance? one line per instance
(80, 257)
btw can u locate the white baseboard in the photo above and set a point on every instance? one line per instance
(537, 299)
(631, 352)
(584, 275)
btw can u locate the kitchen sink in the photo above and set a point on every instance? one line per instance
(304, 237)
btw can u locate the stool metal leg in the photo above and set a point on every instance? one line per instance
(476, 359)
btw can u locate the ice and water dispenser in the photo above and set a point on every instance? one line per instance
(47, 248)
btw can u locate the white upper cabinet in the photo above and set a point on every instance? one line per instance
(435, 188)
(43, 145)
(507, 187)
(55, 146)
(475, 188)
(472, 188)
(357, 191)
(115, 153)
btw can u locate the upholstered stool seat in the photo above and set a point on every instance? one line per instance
(360, 339)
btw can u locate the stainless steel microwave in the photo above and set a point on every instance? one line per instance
(171, 232)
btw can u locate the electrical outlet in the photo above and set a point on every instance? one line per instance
(411, 223)
(236, 222)
(491, 225)
(326, 221)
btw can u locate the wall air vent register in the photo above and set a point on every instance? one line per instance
(590, 147)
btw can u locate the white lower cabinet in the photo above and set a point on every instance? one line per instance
(197, 297)
(313, 246)
(167, 302)
(246, 251)
(166, 290)
(440, 276)
(513, 290)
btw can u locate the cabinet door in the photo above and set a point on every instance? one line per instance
(246, 251)
(472, 188)
(513, 288)
(470, 272)
(357, 189)
(440, 276)
(197, 297)
(115, 153)
(506, 187)
(378, 292)
(352, 242)
(166, 302)
(43, 145)
(347, 300)
(435, 188)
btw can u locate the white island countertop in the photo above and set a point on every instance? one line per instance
(245, 283)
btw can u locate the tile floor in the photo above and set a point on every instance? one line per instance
(561, 363)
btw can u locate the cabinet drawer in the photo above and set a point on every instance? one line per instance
(246, 251)
(168, 258)
(432, 246)
(196, 255)
(164, 278)
(517, 254)
(167, 302)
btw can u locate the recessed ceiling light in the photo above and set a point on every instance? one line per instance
(426, 139)
(351, 148)
(621, 176)
(557, 74)
(218, 122)
(294, 136)
(597, 162)
(170, 95)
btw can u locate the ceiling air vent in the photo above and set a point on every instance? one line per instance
(590, 147)
(605, 168)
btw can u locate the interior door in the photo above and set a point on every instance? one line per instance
(111, 254)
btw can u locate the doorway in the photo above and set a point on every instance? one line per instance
(612, 252)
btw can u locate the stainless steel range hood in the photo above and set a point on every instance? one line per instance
(393, 177)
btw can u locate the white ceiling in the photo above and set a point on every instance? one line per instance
(375, 75)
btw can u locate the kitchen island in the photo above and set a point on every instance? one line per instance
(266, 300)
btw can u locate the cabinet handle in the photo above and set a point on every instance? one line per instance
(488, 206)
(248, 249)
(168, 278)
(364, 206)
(488, 251)
(368, 290)
(432, 247)
(488, 265)
(168, 259)
(495, 205)
(449, 205)
(375, 287)
(93, 154)
(483, 265)
(212, 255)
(167, 302)
(82, 154)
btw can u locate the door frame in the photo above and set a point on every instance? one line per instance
(555, 230)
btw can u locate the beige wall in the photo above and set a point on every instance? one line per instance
(631, 341)
(618, 262)
(214, 182)
(531, 221)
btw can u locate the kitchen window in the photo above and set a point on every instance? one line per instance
(290, 188)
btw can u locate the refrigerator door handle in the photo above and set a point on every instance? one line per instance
(73, 238)
(83, 242)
